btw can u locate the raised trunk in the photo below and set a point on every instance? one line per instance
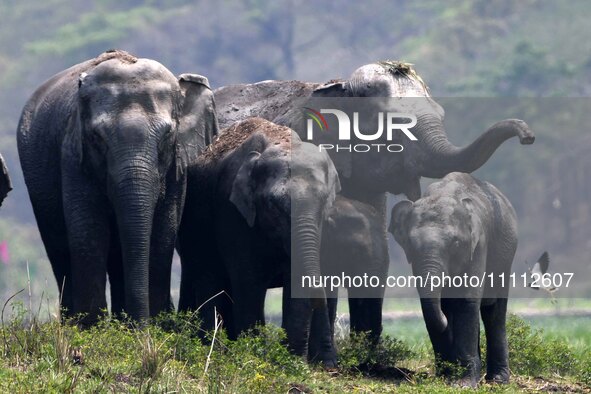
(442, 157)
(135, 201)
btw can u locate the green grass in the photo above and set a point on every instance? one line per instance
(167, 356)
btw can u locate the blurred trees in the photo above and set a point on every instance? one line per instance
(479, 48)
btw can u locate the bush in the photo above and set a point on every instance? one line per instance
(358, 350)
(533, 354)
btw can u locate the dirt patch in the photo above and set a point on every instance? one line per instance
(233, 136)
(542, 385)
(123, 56)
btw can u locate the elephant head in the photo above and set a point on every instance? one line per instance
(285, 187)
(438, 234)
(135, 127)
(5, 182)
(432, 155)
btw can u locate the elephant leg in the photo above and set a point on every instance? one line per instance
(88, 233)
(166, 224)
(166, 220)
(49, 214)
(213, 298)
(115, 271)
(321, 341)
(366, 316)
(466, 336)
(497, 351)
(443, 341)
(248, 304)
(296, 321)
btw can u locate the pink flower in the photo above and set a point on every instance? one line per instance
(4, 254)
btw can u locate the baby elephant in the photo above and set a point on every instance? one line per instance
(465, 228)
(354, 246)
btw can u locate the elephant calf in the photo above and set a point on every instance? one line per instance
(256, 202)
(353, 245)
(462, 226)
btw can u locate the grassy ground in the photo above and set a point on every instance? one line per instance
(167, 357)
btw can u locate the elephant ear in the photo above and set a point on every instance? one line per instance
(242, 194)
(475, 226)
(399, 222)
(331, 89)
(5, 182)
(198, 123)
(343, 160)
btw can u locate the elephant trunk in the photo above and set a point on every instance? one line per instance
(135, 201)
(435, 319)
(442, 157)
(306, 249)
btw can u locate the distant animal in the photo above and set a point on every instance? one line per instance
(5, 182)
(461, 226)
(536, 272)
(104, 147)
(256, 203)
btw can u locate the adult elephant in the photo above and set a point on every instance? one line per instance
(367, 177)
(104, 146)
(266, 195)
(5, 182)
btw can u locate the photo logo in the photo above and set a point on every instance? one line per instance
(390, 122)
(316, 117)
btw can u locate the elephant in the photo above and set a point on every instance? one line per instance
(256, 202)
(461, 226)
(104, 147)
(353, 245)
(366, 177)
(5, 182)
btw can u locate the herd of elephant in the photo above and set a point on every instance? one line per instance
(124, 162)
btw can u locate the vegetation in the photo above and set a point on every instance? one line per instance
(167, 356)
(461, 48)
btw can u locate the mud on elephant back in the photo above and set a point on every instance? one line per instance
(256, 203)
(104, 147)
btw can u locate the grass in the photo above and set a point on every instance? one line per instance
(167, 356)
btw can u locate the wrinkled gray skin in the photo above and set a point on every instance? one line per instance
(104, 147)
(365, 177)
(5, 182)
(431, 156)
(266, 206)
(352, 243)
(461, 226)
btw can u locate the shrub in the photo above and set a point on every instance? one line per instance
(359, 350)
(531, 353)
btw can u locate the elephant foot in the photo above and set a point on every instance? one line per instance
(328, 361)
(330, 364)
(469, 374)
(467, 382)
(498, 376)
